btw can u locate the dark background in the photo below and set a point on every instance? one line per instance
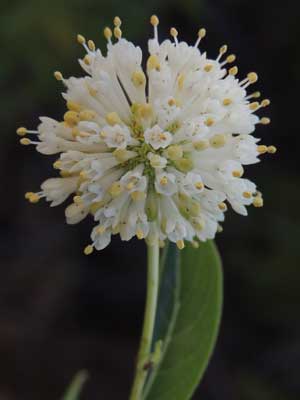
(61, 311)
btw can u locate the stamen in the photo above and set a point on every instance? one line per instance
(58, 76)
(233, 71)
(72, 106)
(140, 234)
(174, 34)
(154, 22)
(88, 249)
(209, 122)
(265, 121)
(222, 206)
(217, 141)
(180, 244)
(117, 33)
(138, 78)
(100, 230)
(272, 149)
(107, 34)
(71, 118)
(227, 102)
(87, 60)
(32, 197)
(262, 149)
(116, 189)
(163, 181)
(77, 200)
(21, 131)
(195, 244)
(237, 174)
(138, 196)
(199, 185)
(201, 145)
(153, 63)
(87, 115)
(117, 21)
(208, 67)
(180, 81)
(91, 45)
(25, 141)
(265, 103)
(81, 39)
(258, 201)
(113, 118)
(247, 195)
(57, 164)
(201, 35)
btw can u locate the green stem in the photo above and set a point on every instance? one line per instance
(149, 319)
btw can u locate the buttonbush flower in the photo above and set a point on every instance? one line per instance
(154, 154)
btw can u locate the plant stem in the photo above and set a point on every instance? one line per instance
(149, 319)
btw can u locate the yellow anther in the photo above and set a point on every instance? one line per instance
(199, 185)
(218, 141)
(227, 102)
(32, 197)
(208, 67)
(265, 103)
(174, 152)
(138, 78)
(116, 189)
(87, 115)
(254, 106)
(100, 230)
(28, 195)
(219, 228)
(58, 76)
(180, 244)
(77, 199)
(162, 136)
(25, 141)
(117, 21)
(146, 111)
(84, 134)
(265, 121)
(57, 164)
(173, 32)
(256, 95)
(107, 33)
(222, 206)
(163, 181)
(172, 102)
(237, 174)
(21, 131)
(138, 196)
(262, 149)
(231, 58)
(91, 45)
(103, 135)
(88, 250)
(258, 201)
(247, 195)
(94, 207)
(180, 81)
(202, 33)
(140, 234)
(131, 185)
(209, 121)
(71, 118)
(81, 39)
(184, 164)
(252, 77)
(87, 60)
(223, 49)
(201, 145)
(154, 20)
(72, 106)
(272, 149)
(117, 32)
(112, 118)
(233, 71)
(195, 244)
(153, 62)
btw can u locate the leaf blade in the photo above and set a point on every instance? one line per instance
(75, 387)
(192, 337)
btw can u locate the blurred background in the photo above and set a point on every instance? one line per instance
(61, 311)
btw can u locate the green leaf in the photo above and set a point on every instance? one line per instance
(76, 386)
(188, 318)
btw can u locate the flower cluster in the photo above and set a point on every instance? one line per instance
(156, 154)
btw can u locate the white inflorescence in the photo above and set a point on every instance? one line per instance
(153, 154)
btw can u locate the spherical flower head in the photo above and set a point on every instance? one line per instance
(156, 154)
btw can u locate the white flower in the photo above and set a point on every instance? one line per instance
(156, 154)
(157, 137)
